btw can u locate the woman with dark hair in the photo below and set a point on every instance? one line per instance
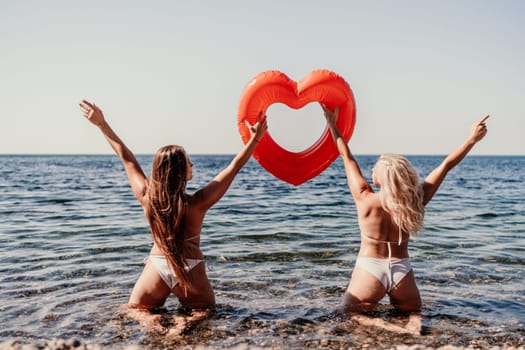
(175, 263)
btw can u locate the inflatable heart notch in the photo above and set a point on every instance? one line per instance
(272, 87)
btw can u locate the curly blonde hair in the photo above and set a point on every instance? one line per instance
(401, 194)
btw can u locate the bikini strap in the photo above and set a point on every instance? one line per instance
(376, 240)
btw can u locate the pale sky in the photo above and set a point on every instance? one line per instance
(171, 72)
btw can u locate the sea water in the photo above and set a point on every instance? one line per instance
(73, 239)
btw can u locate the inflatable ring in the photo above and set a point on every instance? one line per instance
(272, 87)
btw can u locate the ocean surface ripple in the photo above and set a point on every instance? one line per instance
(73, 240)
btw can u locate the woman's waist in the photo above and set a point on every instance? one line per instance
(189, 253)
(383, 252)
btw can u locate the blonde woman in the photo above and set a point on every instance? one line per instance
(176, 262)
(388, 218)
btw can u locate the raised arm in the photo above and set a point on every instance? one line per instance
(356, 182)
(436, 177)
(211, 193)
(136, 176)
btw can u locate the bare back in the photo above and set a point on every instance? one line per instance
(193, 221)
(377, 228)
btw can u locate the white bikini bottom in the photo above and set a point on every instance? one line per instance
(389, 271)
(168, 276)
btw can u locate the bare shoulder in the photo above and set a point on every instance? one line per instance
(197, 202)
(193, 199)
(361, 191)
(369, 198)
(368, 202)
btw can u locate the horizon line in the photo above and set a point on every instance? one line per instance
(233, 154)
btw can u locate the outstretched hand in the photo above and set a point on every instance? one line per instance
(331, 117)
(92, 112)
(479, 130)
(258, 129)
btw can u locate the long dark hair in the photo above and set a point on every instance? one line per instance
(166, 204)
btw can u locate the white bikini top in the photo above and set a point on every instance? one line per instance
(399, 241)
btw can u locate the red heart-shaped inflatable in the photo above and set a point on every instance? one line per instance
(272, 87)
